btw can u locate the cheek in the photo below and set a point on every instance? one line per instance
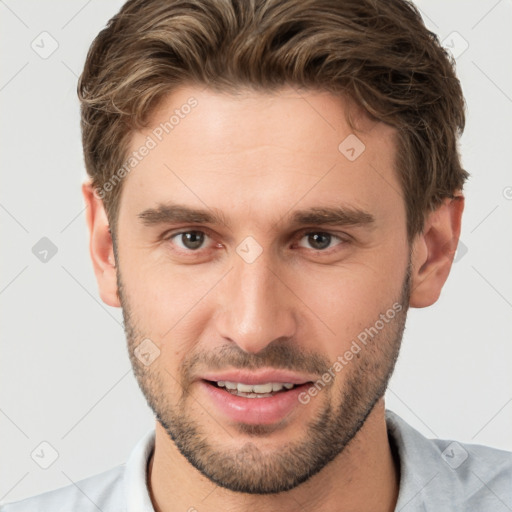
(164, 292)
(345, 301)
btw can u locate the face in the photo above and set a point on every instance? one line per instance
(259, 248)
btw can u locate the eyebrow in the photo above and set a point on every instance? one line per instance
(333, 216)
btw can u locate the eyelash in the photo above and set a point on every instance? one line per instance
(343, 239)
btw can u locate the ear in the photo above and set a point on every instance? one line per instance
(101, 247)
(433, 251)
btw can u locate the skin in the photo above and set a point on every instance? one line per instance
(257, 158)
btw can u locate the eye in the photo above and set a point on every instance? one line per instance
(320, 240)
(195, 240)
(189, 240)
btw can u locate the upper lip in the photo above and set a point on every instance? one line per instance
(258, 377)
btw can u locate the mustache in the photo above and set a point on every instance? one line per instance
(280, 355)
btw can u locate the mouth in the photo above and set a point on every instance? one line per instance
(263, 390)
(255, 399)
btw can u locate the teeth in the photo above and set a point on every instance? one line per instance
(261, 388)
(256, 389)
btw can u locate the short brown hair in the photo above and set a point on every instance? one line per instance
(377, 52)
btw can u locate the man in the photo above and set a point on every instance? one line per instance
(272, 185)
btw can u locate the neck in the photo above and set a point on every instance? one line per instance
(365, 476)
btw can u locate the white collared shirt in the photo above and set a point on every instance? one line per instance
(435, 475)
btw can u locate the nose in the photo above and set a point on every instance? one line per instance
(256, 305)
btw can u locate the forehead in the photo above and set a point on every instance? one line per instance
(261, 152)
(286, 116)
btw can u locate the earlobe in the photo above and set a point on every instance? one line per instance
(100, 246)
(433, 251)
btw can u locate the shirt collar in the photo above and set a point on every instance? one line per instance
(136, 475)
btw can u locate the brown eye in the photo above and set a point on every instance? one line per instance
(190, 240)
(319, 240)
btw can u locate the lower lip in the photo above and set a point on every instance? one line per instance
(255, 411)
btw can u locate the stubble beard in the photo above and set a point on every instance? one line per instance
(245, 468)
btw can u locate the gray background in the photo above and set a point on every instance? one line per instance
(65, 377)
